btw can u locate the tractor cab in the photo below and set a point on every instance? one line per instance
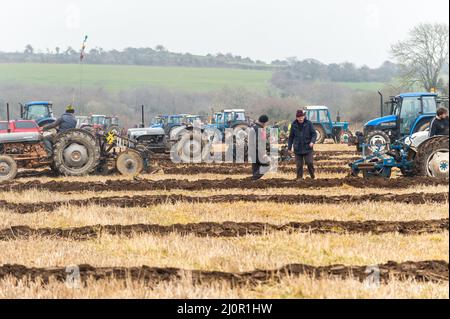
(229, 119)
(325, 127)
(41, 112)
(97, 121)
(401, 116)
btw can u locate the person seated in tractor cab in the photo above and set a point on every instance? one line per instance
(439, 126)
(67, 121)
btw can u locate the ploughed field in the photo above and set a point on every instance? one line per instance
(205, 231)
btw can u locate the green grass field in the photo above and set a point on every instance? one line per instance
(125, 77)
(122, 77)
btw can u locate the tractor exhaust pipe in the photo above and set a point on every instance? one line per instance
(7, 118)
(21, 110)
(142, 116)
(381, 103)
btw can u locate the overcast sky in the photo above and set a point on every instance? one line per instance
(358, 31)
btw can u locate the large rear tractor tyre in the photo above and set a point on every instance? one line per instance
(190, 149)
(130, 163)
(377, 140)
(76, 153)
(8, 168)
(432, 158)
(321, 135)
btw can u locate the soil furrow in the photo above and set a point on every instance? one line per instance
(205, 184)
(421, 271)
(230, 229)
(145, 201)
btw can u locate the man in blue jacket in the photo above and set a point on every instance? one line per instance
(66, 122)
(303, 137)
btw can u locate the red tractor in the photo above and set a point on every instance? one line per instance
(75, 152)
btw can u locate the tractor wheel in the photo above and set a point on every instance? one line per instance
(432, 158)
(76, 153)
(130, 163)
(189, 148)
(384, 172)
(8, 168)
(346, 137)
(378, 140)
(321, 135)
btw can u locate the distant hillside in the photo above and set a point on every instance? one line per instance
(125, 77)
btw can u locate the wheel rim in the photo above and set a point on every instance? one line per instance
(437, 164)
(5, 169)
(344, 138)
(75, 155)
(129, 164)
(378, 142)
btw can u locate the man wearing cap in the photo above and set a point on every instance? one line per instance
(262, 159)
(303, 137)
(67, 121)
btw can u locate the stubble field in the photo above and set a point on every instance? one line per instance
(204, 231)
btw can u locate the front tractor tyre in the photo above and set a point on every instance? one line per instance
(378, 140)
(130, 163)
(8, 168)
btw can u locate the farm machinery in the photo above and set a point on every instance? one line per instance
(402, 116)
(415, 155)
(41, 112)
(325, 128)
(76, 152)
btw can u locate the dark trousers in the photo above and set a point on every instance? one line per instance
(300, 159)
(258, 170)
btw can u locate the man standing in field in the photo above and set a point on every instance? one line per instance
(262, 160)
(439, 126)
(302, 137)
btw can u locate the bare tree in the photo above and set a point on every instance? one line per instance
(423, 54)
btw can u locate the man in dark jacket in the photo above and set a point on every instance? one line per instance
(67, 121)
(303, 137)
(262, 160)
(439, 126)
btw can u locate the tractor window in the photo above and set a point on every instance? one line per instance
(3, 126)
(98, 120)
(429, 104)
(219, 119)
(37, 112)
(410, 109)
(312, 116)
(323, 116)
(240, 116)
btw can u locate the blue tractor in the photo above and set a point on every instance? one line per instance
(39, 111)
(325, 128)
(403, 115)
